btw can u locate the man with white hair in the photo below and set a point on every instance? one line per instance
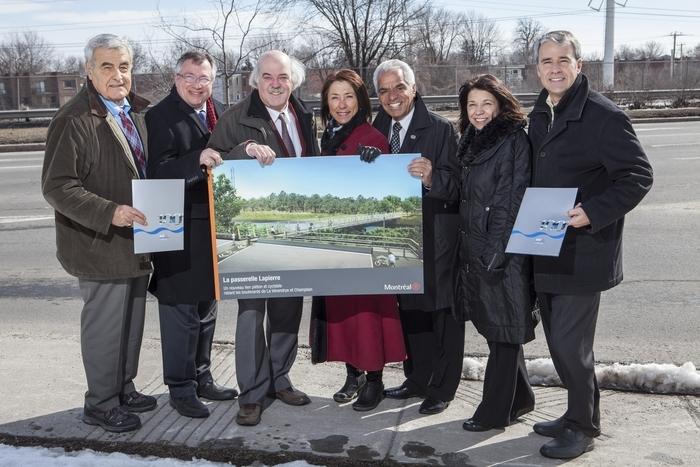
(269, 123)
(95, 147)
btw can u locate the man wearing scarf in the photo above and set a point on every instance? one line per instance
(179, 127)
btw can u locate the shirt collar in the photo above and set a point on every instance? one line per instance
(115, 108)
(274, 114)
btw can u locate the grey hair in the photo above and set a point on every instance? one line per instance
(394, 64)
(106, 41)
(197, 57)
(297, 73)
(561, 38)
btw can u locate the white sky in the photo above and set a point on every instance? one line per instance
(67, 24)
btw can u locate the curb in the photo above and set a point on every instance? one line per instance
(22, 147)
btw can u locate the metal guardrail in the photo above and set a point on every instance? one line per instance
(526, 99)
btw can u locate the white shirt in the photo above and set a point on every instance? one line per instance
(405, 122)
(291, 126)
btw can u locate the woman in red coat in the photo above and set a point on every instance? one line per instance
(361, 330)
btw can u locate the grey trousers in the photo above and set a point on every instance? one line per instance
(264, 358)
(569, 325)
(111, 330)
(186, 335)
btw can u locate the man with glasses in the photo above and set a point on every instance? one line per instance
(178, 131)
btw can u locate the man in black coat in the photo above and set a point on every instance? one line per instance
(178, 132)
(580, 139)
(434, 338)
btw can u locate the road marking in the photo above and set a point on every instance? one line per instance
(21, 167)
(686, 158)
(672, 145)
(15, 219)
(28, 159)
(669, 135)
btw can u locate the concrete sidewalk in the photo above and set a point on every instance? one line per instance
(42, 404)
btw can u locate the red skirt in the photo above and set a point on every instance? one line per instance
(364, 331)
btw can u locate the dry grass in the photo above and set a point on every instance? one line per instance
(23, 135)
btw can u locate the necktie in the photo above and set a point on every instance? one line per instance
(285, 135)
(202, 117)
(395, 138)
(132, 136)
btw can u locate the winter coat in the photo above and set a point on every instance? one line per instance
(592, 146)
(434, 138)
(249, 121)
(493, 289)
(87, 174)
(176, 138)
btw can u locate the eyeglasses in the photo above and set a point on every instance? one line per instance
(192, 79)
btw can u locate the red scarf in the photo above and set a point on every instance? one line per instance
(211, 115)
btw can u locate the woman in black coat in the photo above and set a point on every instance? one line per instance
(493, 289)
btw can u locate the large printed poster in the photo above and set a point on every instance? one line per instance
(318, 226)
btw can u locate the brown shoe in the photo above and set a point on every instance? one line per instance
(249, 414)
(292, 396)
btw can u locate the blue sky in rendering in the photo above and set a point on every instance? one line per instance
(342, 176)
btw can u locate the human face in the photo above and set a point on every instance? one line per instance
(342, 102)
(395, 94)
(557, 69)
(195, 83)
(110, 73)
(482, 107)
(275, 85)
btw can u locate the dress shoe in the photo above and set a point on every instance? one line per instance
(213, 392)
(516, 414)
(117, 419)
(569, 444)
(249, 414)
(137, 402)
(370, 396)
(401, 392)
(553, 428)
(292, 396)
(432, 406)
(474, 425)
(350, 389)
(189, 406)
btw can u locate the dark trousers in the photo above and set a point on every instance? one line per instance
(435, 349)
(265, 356)
(111, 330)
(507, 389)
(569, 325)
(186, 334)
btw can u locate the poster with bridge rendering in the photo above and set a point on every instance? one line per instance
(318, 226)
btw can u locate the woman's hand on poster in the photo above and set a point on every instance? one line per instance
(368, 153)
(422, 168)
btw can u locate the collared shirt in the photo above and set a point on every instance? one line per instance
(115, 108)
(551, 109)
(291, 126)
(405, 122)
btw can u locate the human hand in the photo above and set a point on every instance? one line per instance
(210, 158)
(263, 153)
(422, 168)
(368, 153)
(578, 217)
(126, 216)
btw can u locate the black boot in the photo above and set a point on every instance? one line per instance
(353, 385)
(371, 394)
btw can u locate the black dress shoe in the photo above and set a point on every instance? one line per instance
(249, 414)
(475, 425)
(350, 389)
(214, 392)
(292, 396)
(137, 402)
(553, 428)
(568, 445)
(432, 406)
(189, 406)
(370, 396)
(117, 419)
(401, 392)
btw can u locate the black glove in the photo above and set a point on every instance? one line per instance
(368, 153)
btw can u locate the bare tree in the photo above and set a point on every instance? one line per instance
(696, 51)
(651, 50)
(626, 52)
(24, 54)
(70, 64)
(229, 52)
(438, 31)
(479, 36)
(367, 31)
(525, 36)
(319, 56)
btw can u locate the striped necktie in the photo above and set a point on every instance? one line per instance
(132, 136)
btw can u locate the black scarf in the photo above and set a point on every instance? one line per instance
(473, 141)
(334, 135)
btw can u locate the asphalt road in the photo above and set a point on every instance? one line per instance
(653, 316)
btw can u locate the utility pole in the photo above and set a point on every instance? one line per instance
(674, 34)
(609, 56)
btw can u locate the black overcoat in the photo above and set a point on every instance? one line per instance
(434, 138)
(590, 145)
(493, 289)
(176, 138)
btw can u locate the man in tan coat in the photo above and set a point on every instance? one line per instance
(94, 148)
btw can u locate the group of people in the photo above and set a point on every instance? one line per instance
(472, 188)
